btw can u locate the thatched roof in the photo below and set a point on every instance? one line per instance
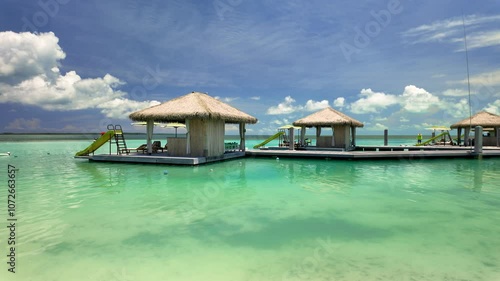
(326, 118)
(190, 106)
(483, 118)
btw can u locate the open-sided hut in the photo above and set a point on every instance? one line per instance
(204, 117)
(490, 123)
(343, 128)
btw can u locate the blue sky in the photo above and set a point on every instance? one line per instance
(75, 66)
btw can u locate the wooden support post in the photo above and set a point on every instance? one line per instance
(188, 139)
(497, 133)
(466, 137)
(291, 141)
(302, 135)
(149, 130)
(353, 133)
(478, 140)
(242, 136)
(386, 137)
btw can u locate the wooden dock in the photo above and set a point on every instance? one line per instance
(381, 152)
(160, 158)
(361, 152)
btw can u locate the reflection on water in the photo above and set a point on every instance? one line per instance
(255, 219)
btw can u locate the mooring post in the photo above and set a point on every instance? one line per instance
(478, 140)
(386, 137)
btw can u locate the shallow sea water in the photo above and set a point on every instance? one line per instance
(250, 219)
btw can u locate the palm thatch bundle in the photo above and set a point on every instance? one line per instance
(326, 118)
(483, 118)
(192, 106)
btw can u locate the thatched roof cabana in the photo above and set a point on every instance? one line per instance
(190, 106)
(326, 118)
(204, 117)
(343, 128)
(484, 119)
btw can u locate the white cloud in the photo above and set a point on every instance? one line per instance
(418, 100)
(255, 98)
(339, 102)
(372, 102)
(29, 74)
(316, 105)
(451, 31)
(455, 92)
(480, 40)
(493, 107)
(288, 106)
(284, 107)
(456, 109)
(484, 79)
(26, 55)
(403, 119)
(374, 127)
(226, 99)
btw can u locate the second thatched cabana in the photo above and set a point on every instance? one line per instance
(343, 128)
(490, 123)
(204, 117)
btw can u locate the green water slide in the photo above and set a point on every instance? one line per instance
(269, 139)
(434, 138)
(97, 143)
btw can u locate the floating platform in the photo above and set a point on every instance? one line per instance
(160, 158)
(378, 152)
(361, 152)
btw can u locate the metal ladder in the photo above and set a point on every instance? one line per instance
(121, 145)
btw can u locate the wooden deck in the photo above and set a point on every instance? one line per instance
(381, 152)
(160, 158)
(361, 152)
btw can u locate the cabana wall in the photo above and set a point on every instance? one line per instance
(205, 139)
(341, 137)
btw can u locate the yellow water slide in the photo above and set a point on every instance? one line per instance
(269, 139)
(97, 143)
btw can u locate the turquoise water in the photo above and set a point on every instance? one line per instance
(250, 219)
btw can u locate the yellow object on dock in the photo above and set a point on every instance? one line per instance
(97, 143)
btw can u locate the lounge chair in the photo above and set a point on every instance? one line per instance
(142, 147)
(157, 146)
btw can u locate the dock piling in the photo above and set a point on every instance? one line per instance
(478, 140)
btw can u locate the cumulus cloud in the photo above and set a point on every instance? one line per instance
(456, 109)
(288, 106)
(493, 107)
(339, 102)
(373, 102)
(316, 105)
(418, 100)
(284, 107)
(26, 55)
(29, 74)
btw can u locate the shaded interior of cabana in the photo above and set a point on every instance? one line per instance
(341, 136)
(204, 138)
